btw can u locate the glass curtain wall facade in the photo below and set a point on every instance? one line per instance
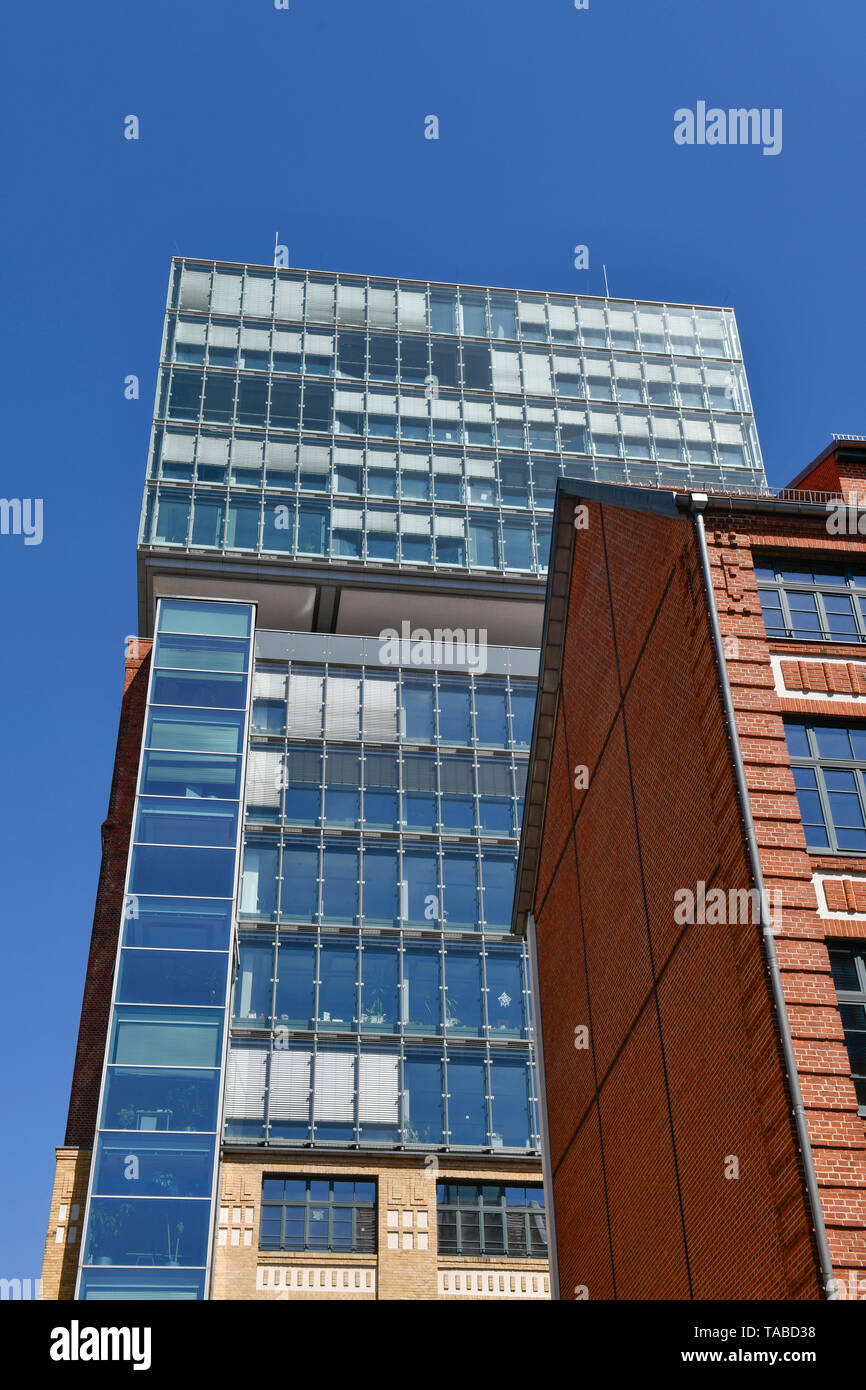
(386, 423)
(149, 1213)
(380, 998)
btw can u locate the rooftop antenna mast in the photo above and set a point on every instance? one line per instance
(276, 247)
(606, 290)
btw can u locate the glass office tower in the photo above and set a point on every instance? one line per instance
(322, 1024)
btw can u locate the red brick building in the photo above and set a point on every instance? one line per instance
(693, 877)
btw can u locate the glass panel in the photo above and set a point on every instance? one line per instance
(498, 872)
(166, 1037)
(172, 977)
(455, 724)
(418, 711)
(214, 732)
(258, 896)
(421, 997)
(220, 689)
(147, 1232)
(299, 898)
(467, 1104)
(340, 886)
(505, 1003)
(154, 1165)
(491, 725)
(338, 973)
(421, 886)
(253, 986)
(381, 887)
(163, 821)
(296, 983)
(192, 775)
(509, 1083)
(177, 922)
(459, 882)
(188, 872)
(200, 653)
(379, 994)
(153, 1099)
(463, 999)
(422, 1100)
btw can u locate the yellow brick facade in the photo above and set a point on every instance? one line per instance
(406, 1265)
(63, 1241)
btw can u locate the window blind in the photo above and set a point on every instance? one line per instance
(351, 301)
(342, 707)
(380, 708)
(178, 448)
(194, 289)
(288, 298)
(412, 310)
(305, 704)
(536, 373)
(226, 295)
(245, 1083)
(378, 1089)
(258, 295)
(289, 1089)
(264, 769)
(334, 1086)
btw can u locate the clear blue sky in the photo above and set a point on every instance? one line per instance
(556, 128)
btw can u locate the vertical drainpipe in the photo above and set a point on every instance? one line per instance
(697, 501)
(547, 1171)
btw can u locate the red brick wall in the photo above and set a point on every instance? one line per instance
(684, 1074)
(81, 1120)
(837, 1133)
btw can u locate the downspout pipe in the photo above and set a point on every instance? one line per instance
(546, 1168)
(697, 501)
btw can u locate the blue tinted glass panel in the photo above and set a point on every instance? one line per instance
(178, 922)
(423, 1120)
(166, 821)
(381, 889)
(254, 983)
(145, 1284)
(218, 689)
(201, 653)
(191, 873)
(422, 1000)
(172, 977)
(522, 711)
(296, 983)
(498, 874)
(196, 731)
(338, 987)
(379, 991)
(299, 899)
(418, 710)
(509, 1084)
(205, 619)
(147, 1231)
(505, 1003)
(420, 876)
(259, 878)
(153, 1099)
(460, 891)
(154, 1165)
(340, 885)
(463, 1006)
(165, 1037)
(467, 1104)
(190, 774)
